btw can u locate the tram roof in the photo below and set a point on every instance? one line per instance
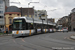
(30, 20)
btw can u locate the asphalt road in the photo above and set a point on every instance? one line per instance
(47, 41)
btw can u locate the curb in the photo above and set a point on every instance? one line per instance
(6, 35)
(72, 37)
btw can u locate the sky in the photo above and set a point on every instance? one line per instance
(55, 8)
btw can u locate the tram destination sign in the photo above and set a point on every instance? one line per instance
(17, 20)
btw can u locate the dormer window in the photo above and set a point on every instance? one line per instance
(10, 14)
(18, 14)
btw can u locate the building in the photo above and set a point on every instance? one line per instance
(10, 13)
(63, 21)
(73, 21)
(41, 14)
(3, 5)
(72, 17)
(28, 12)
(51, 20)
(69, 22)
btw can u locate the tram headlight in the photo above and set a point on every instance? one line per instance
(21, 31)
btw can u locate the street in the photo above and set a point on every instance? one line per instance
(46, 41)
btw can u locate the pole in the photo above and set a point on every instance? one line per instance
(32, 17)
(4, 19)
(47, 25)
(28, 9)
(21, 11)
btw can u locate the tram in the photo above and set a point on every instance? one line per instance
(59, 28)
(25, 26)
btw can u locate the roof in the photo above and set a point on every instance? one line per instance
(26, 11)
(12, 9)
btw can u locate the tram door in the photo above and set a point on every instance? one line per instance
(10, 28)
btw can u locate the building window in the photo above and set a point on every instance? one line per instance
(17, 14)
(1, 1)
(35, 15)
(1, 16)
(1, 11)
(10, 14)
(25, 15)
(43, 15)
(10, 21)
(29, 15)
(1, 6)
(35, 12)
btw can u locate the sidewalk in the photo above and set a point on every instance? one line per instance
(5, 35)
(72, 37)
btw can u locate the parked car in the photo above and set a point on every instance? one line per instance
(65, 29)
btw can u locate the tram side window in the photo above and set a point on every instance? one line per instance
(48, 26)
(35, 25)
(26, 26)
(29, 26)
(45, 26)
(39, 26)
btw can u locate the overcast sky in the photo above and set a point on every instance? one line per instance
(55, 8)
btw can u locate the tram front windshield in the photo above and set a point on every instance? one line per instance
(19, 24)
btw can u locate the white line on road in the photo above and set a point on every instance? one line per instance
(22, 40)
(14, 41)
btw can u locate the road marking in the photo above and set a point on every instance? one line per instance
(23, 40)
(69, 38)
(65, 38)
(21, 45)
(14, 41)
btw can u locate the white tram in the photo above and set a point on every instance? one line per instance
(24, 26)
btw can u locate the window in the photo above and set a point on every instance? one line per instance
(1, 6)
(25, 15)
(35, 12)
(1, 11)
(17, 14)
(39, 26)
(30, 25)
(29, 15)
(35, 15)
(1, 1)
(10, 14)
(10, 21)
(19, 24)
(1, 16)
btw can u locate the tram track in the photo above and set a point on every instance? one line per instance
(44, 38)
(47, 38)
(31, 44)
(54, 41)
